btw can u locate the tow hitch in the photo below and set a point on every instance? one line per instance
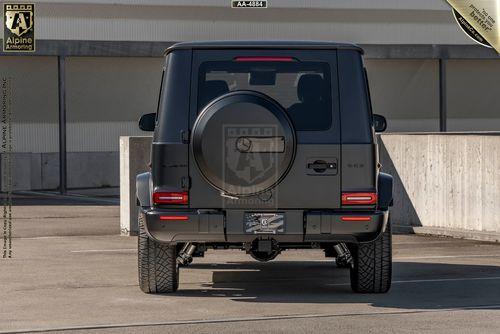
(263, 250)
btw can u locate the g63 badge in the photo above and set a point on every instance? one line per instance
(19, 29)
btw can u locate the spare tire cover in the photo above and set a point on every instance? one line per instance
(243, 143)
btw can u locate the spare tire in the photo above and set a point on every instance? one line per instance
(243, 143)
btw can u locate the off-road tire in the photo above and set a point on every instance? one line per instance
(158, 269)
(372, 264)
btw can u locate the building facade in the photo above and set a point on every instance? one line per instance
(425, 73)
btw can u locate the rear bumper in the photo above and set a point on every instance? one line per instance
(345, 226)
(213, 226)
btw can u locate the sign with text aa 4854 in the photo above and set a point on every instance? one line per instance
(19, 27)
(249, 4)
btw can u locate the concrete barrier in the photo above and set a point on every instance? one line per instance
(135, 154)
(445, 184)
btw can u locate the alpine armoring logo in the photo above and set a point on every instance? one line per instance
(250, 154)
(19, 28)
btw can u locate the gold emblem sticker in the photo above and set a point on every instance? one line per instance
(479, 19)
(19, 27)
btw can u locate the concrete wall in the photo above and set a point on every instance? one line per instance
(445, 183)
(135, 154)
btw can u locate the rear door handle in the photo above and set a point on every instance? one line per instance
(322, 165)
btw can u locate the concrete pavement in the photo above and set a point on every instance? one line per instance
(88, 283)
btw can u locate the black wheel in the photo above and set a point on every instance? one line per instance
(158, 269)
(372, 264)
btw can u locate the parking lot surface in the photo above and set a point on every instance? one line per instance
(83, 283)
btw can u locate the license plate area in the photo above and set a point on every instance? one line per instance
(264, 223)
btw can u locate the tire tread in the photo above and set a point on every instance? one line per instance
(157, 266)
(372, 268)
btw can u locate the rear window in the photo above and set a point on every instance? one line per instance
(302, 88)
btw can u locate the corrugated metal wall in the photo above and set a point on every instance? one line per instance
(408, 22)
(323, 4)
(406, 92)
(105, 97)
(474, 95)
(34, 102)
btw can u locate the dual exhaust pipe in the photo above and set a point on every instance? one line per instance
(262, 250)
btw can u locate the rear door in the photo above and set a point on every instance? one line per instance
(305, 84)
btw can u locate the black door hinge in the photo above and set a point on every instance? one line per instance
(185, 136)
(185, 182)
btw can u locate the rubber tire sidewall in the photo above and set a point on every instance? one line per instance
(157, 264)
(371, 271)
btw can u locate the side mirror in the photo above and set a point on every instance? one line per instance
(147, 122)
(379, 123)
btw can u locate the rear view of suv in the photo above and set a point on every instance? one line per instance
(264, 147)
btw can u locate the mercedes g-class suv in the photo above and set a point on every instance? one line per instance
(264, 147)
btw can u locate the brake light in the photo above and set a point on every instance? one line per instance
(170, 197)
(285, 59)
(174, 217)
(355, 218)
(359, 198)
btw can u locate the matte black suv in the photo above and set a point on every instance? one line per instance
(263, 147)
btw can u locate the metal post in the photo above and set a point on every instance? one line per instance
(442, 95)
(62, 124)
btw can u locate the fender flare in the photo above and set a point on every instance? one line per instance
(384, 189)
(143, 193)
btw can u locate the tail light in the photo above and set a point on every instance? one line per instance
(260, 58)
(174, 218)
(163, 197)
(359, 198)
(355, 218)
